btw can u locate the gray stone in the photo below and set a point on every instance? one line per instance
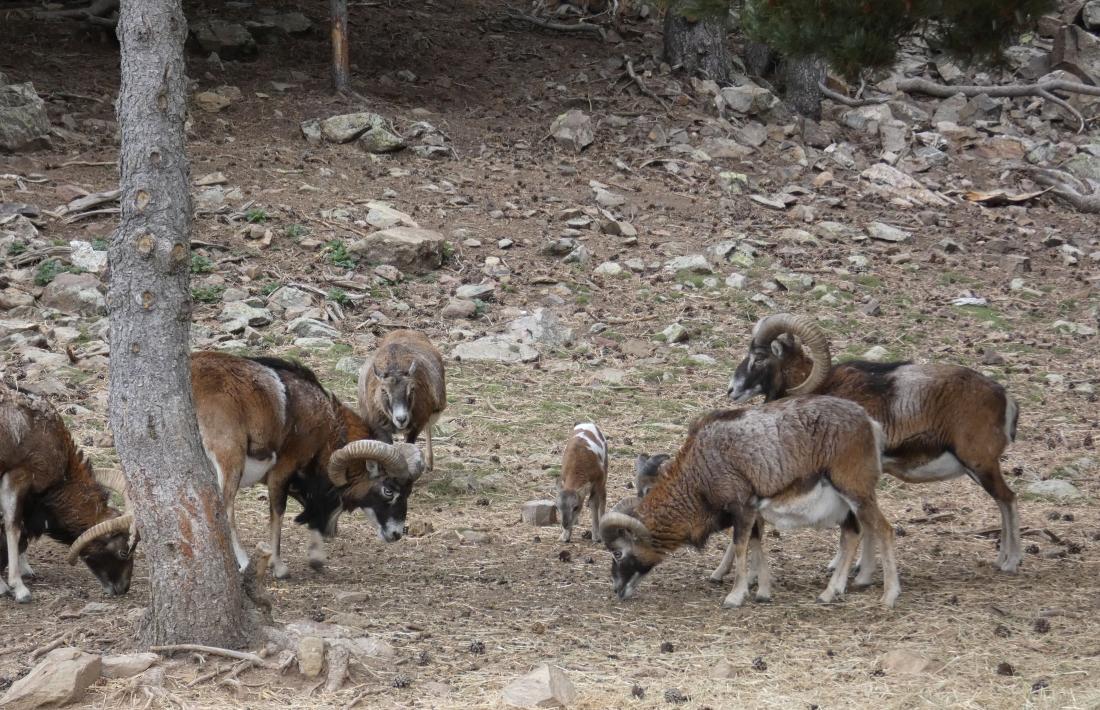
(311, 130)
(311, 328)
(382, 216)
(289, 297)
(495, 348)
(692, 263)
(475, 291)
(539, 512)
(736, 281)
(799, 283)
(459, 308)
(876, 354)
(609, 269)
(413, 250)
(314, 343)
(544, 687)
(541, 327)
(887, 233)
(128, 665)
(59, 678)
(725, 148)
(212, 101)
(1055, 489)
(23, 121)
(703, 359)
(894, 136)
(675, 333)
(75, 294)
(579, 255)
(1090, 15)
(346, 127)
(1084, 166)
(949, 109)
(981, 108)
(311, 656)
(228, 39)
(573, 129)
(867, 118)
(85, 258)
(242, 313)
(380, 139)
(750, 99)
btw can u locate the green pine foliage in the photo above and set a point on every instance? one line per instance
(856, 34)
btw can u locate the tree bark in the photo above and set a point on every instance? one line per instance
(698, 46)
(195, 590)
(341, 66)
(802, 79)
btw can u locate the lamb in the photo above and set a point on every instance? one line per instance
(403, 389)
(269, 420)
(47, 487)
(941, 421)
(583, 473)
(801, 462)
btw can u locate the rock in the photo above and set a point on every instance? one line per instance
(59, 678)
(292, 23)
(749, 99)
(1055, 489)
(887, 233)
(949, 109)
(1078, 52)
(311, 656)
(382, 216)
(495, 348)
(474, 537)
(539, 512)
(1084, 166)
(894, 136)
(310, 328)
(542, 327)
(573, 129)
(949, 71)
(618, 228)
(311, 130)
(1072, 328)
(287, 297)
(692, 264)
(675, 333)
(24, 124)
(981, 108)
(85, 258)
(609, 268)
(725, 148)
(389, 273)
(736, 280)
(228, 39)
(475, 291)
(211, 101)
(239, 313)
(799, 283)
(904, 662)
(867, 118)
(129, 665)
(314, 343)
(876, 354)
(459, 308)
(723, 670)
(1090, 15)
(380, 139)
(544, 687)
(75, 294)
(703, 359)
(346, 127)
(411, 249)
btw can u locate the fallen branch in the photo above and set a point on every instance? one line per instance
(582, 27)
(1042, 89)
(99, 12)
(1062, 184)
(214, 651)
(641, 84)
(847, 100)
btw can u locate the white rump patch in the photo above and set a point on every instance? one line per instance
(1011, 410)
(942, 468)
(255, 470)
(821, 507)
(593, 438)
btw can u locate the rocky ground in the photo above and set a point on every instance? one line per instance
(582, 250)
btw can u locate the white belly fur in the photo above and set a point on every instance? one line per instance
(821, 507)
(942, 468)
(255, 470)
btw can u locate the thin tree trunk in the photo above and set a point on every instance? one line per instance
(698, 46)
(341, 67)
(802, 79)
(195, 590)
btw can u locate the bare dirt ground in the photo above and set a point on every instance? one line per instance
(493, 88)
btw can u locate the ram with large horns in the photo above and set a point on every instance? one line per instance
(941, 421)
(266, 420)
(48, 487)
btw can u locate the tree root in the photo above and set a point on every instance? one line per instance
(847, 100)
(215, 651)
(645, 90)
(103, 13)
(1043, 89)
(1076, 192)
(582, 27)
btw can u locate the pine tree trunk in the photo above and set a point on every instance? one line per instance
(341, 68)
(802, 77)
(698, 46)
(195, 589)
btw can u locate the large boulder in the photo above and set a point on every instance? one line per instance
(573, 129)
(228, 39)
(346, 127)
(24, 124)
(495, 348)
(410, 249)
(75, 294)
(59, 678)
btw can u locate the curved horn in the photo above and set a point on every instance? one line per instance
(626, 505)
(613, 522)
(812, 337)
(400, 461)
(108, 527)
